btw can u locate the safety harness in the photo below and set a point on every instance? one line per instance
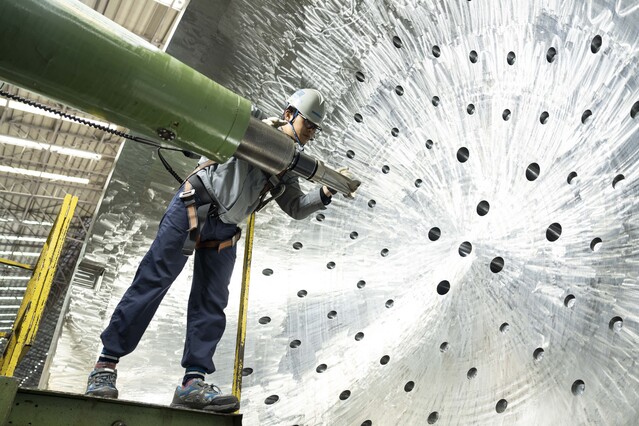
(197, 215)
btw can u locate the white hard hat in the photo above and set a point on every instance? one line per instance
(310, 103)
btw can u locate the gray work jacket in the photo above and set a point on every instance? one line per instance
(236, 186)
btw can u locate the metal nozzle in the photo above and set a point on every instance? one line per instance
(273, 151)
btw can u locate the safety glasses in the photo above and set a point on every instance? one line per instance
(309, 124)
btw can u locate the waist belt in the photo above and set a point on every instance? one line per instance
(220, 245)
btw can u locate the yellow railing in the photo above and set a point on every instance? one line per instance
(36, 294)
(241, 321)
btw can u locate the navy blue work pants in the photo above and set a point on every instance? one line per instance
(159, 268)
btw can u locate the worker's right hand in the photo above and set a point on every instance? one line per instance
(274, 122)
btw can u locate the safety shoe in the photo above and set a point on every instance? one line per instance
(201, 396)
(102, 383)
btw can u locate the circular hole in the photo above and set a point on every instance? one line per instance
(268, 272)
(302, 293)
(321, 368)
(295, 344)
(385, 169)
(634, 111)
(506, 115)
(345, 395)
(501, 406)
(395, 131)
(472, 373)
(543, 118)
(465, 248)
(297, 245)
(551, 54)
(332, 315)
(271, 400)
(463, 154)
(578, 387)
(617, 179)
(418, 183)
(359, 336)
(616, 324)
(264, 320)
(553, 232)
(432, 418)
(429, 144)
(444, 347)
(483, 207)
(371, 203)
(360, 76)
(320, 217)
(247, 372)
(384, 360)
(497, 264)
(436, 51)
(538, 354)
(443, 287)
(532, 171)
(384, 252)
(595, 44)
(354, 235)
(389, 303)
(570, 301)
(367, 423)
(399, 90)
(511, 58)
(435, 101)
(473, 56)
(409, 386)
(504, 328)
(397, 42)
(585, 116)
(361, 284)
(358, 117)
(434, 234)
(330, 265)
(470, 109)
(595, 244)
(350, 154)
(571, 177)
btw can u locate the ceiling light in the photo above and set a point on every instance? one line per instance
(28, 143)
(4, 277)
(6, 307)
(34, 110)
(52, 176)
(13, 288)
(28, 239)
(18, 254)
(35, 222)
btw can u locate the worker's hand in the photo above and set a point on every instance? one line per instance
(274, 122)
(344, 171)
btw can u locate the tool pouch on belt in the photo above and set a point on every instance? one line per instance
(197, 214)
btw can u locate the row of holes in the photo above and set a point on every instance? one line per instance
(506, 115)
(551, 54)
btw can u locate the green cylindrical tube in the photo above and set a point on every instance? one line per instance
(71, 53)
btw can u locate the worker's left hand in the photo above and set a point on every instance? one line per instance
(274, 122)
(355, 183)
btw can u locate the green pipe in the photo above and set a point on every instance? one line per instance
(68, 52)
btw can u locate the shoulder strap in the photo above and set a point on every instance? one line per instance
(201, 167)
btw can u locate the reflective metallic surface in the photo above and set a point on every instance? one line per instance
(486, 272)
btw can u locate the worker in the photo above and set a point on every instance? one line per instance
(203, 217)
